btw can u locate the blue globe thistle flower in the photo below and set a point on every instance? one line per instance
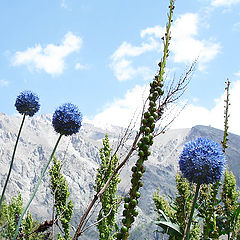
(202, 161)
(27, 103)
(67, 119)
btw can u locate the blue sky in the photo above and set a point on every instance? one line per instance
(101, 55)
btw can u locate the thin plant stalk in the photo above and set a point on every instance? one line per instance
(11, 164)
(191, 214)
(36, 188)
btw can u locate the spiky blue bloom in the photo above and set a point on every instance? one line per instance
(27, 103)
(67, 119)
(202, 161)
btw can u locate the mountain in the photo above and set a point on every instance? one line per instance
(80, 157)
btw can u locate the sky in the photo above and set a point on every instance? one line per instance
(102, 55)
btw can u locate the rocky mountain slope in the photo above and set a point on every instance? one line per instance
(80, 157)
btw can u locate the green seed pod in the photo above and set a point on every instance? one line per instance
(143, 170)
(151, 98)
(142, 129)
(126, 199)
(133, 181)
(135, 212)
(134, 175)
(124, 229)
(140, 184)
(147, 114)
(139, 174)
(139, 162)
(155, 82)
(151, 119)
(125, 212)
(138, 194)
(124, 221)
(153, 109)
(145, 139)
(145, 148)
(147, 130)
(141, 153)
(140, 144)
(160, 92)
(155, 94)
(155, 115)
(134, 169)
(152, 104)
(134, 202)
(126, 205)
(144, 122)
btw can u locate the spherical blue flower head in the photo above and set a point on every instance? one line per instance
(202, 161)
(27, 103)
(67, 119)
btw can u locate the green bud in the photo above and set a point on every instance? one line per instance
(134, 202)
(138, 194)
(145, 139)
(140, 184)
(152, 104)
(141, 153)
(144, 122)
(151, 119)
(147, 114)
(124, 229)
(147, 130)
(135, 212)
(126, 205)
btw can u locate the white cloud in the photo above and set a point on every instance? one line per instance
(122, 64)
(51, 59)
(122, 111)
(79, 66)
(194, 115)
(227, 3)
(3, 83)
(185, 45)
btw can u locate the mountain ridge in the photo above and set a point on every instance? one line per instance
(80, 157)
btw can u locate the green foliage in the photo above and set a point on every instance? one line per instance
(108, 199)
(9, 216)
(60, 192)
(172, 217)
(218, 216)
(208, 208)
(230, 208)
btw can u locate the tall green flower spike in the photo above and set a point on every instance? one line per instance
(147, 128)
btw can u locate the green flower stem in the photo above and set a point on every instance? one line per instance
(192, 211)
(36, 187)
(11, 164)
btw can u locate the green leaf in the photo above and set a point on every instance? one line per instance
(236, 214)
(174, 227)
